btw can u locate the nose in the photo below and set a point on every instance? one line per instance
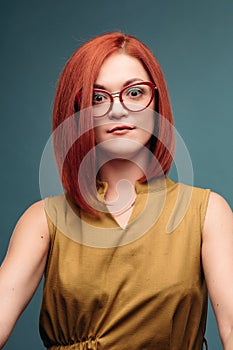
(117, 111)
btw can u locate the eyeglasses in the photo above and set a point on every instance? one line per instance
(134, 97)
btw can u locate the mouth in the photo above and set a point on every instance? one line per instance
(121, 129)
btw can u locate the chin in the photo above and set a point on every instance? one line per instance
(120, 148)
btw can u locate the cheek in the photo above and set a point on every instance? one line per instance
(100, 129)
(147, 126)
(146, 121)
(100, 132)
(151, 123)
(97, 133)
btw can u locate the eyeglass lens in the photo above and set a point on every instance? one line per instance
(134, 98)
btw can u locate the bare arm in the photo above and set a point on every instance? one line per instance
(217, 255)
(23, 267)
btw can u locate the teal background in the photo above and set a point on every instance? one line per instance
(193, 41)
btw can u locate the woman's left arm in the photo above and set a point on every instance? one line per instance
(217, 257)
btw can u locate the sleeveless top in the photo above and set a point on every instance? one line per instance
(138, 288)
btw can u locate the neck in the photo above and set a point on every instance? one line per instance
(121, 176)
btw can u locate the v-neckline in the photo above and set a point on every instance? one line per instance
(123, 224)
(105, 232)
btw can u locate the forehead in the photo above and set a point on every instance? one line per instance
(119, 68)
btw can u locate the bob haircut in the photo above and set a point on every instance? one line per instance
(80, 73)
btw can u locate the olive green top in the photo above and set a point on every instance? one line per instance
(138, 288)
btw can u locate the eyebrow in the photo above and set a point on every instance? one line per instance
(128, 82)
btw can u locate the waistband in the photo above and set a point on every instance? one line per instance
(88, 344)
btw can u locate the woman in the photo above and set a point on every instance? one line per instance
(127, 254)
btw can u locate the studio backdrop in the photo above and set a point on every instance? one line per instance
(192, 40)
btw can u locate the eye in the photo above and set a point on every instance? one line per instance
(134, 92)
(99, 97)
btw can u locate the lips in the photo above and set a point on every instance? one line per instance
(121, 128)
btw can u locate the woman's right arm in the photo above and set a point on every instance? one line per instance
(23, 267)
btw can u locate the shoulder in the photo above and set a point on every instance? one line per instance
(218, 209)
(218, 215)
(216, 201)
(33, 220)
(34, 212)
(215, 210)
(51, 203)
(45, 212)
(55, 207)
(195, 198)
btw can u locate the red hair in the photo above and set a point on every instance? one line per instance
(80, 73)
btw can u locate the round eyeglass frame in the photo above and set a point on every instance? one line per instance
(119, 95)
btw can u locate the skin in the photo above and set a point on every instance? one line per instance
(217, 257)
(116, 72)
(23, 267)
(124, 150)
(24, 264)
